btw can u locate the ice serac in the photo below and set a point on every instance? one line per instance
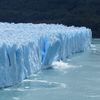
(27, 48)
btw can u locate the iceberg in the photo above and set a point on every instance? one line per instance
(28, 48)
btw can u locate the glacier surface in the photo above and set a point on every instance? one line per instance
(27, 48)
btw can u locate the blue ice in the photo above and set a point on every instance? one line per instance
(27, 48)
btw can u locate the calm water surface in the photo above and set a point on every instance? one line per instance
(79, 81)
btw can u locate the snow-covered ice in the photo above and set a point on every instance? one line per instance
(28, 48)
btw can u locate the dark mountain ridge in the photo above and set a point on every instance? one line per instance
(68, 12)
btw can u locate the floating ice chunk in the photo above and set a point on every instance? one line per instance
(61, 65)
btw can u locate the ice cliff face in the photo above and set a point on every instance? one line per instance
(28, 48)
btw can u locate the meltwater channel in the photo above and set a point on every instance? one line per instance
(77, 79)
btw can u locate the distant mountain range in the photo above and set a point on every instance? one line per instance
(68, 12)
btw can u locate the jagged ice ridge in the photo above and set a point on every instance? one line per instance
(27, 48)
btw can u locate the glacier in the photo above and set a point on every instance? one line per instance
(27, 48)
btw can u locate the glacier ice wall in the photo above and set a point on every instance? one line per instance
(28, 48)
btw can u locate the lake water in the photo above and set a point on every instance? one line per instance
(80, 80)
